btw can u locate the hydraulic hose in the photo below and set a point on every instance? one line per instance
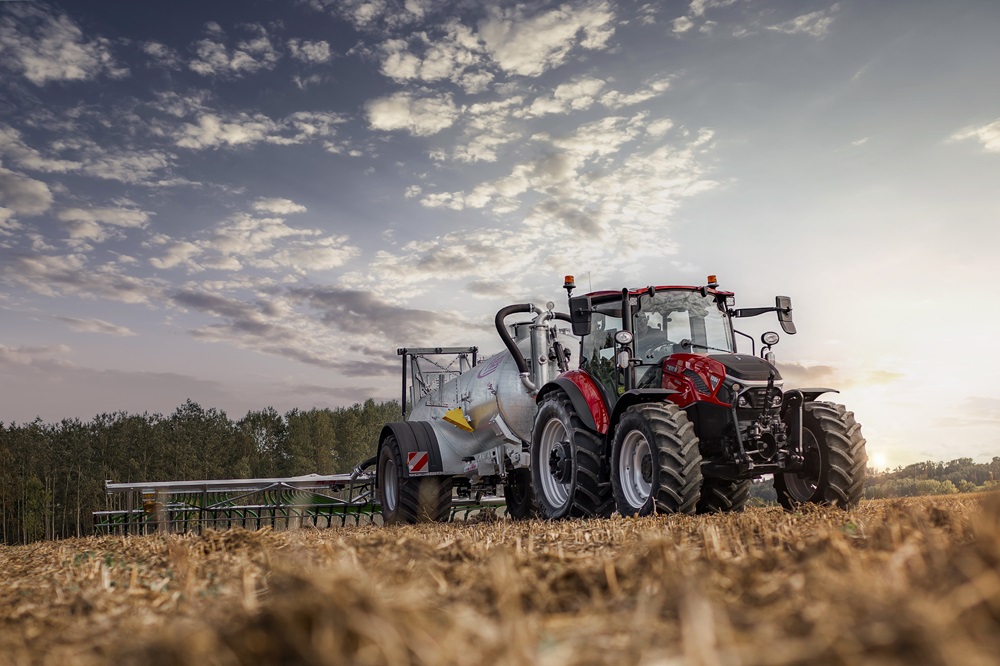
(522, 365)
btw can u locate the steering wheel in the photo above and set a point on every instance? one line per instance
(666, 349)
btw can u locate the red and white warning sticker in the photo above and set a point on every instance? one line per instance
(417, 462)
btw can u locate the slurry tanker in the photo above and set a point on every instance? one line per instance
(636, 401)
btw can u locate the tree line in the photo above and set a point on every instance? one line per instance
(923, 478)
(52, 475)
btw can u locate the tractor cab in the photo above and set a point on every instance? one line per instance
(628, 335)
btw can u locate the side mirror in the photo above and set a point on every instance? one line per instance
(783, 304)
(579, 314)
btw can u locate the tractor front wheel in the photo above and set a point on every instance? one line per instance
(835, 460)
(405, 499)
(566, 463)
(655, 461)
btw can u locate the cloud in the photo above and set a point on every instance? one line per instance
(530, 45)
(249, 56)
(41, 372)
(317, 52)
(375, 15)
(90, 325)
(211, 130)
(23, 195)
(278, 206)
(55, 275)
(271, 244)
(988, 135)
(162, 55)
(176, 253)
(585, 189)
(91, 158)
(450, 52)
(682, 24)
(798, 374)
(616, 100)
(119, 217)
(575, 95)
(421, 114)
(814, 24)
(45, 48)
(90, 224)
(12, 145)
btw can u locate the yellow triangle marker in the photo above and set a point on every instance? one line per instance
(457, 419)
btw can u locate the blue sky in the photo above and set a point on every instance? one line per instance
(256, 203)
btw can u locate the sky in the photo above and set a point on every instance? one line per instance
(255, 203)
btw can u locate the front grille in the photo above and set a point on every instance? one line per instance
(757, 397)
(699, 383)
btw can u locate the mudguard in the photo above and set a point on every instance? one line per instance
(586, 397)
(810, 394)
(413, 437)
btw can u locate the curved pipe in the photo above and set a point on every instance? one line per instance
(522, 365)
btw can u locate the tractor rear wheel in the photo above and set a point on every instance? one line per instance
(566, 463)
(723, 495)
(405, 499)
(655, 461)
(518, 495)
(835, 462)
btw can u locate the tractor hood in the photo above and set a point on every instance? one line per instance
(746, 368)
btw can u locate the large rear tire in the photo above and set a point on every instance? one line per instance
(408, 500)
(566, 463)
(723, 495)
(835, 460)
(655, 461)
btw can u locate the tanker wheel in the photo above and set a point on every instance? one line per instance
(723, 495)
(655, 461)
(517, 493)
(835, 462)
(408, 500)
(566, 463)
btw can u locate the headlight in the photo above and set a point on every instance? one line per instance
(743, 402)
(776, 401)
(623, 337)
(770, 338)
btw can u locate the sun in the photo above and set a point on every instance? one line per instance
(878, 461)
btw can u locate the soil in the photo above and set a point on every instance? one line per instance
(892, 582)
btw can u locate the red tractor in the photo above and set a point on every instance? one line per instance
(664, 415)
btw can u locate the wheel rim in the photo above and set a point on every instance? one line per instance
(635, 469)
(801, 486)
(553, 443)
(390, 483)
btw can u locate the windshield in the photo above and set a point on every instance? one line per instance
(663, 321)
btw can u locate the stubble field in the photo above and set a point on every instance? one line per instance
(893, 582)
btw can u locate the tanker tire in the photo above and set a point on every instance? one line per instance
(723, 495)
(834, 439)
(655, 461)
(583, 494)
(518, 495)
(409, 500)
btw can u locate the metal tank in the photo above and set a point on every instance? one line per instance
(497, 396)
